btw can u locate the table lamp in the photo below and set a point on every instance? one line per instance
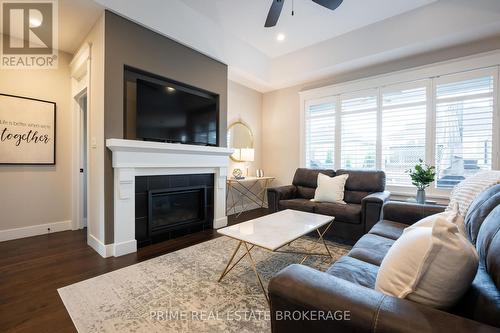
(247, 155)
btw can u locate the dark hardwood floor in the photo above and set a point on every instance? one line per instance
(32, 269)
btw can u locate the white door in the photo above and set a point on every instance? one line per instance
(83, 159)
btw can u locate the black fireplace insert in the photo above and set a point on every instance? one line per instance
(173, 208)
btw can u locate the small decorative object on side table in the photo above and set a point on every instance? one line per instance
(238, 174)
(422, 177)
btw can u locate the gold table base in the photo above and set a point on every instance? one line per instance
(247, 253)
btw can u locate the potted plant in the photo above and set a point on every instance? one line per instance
(422, 176)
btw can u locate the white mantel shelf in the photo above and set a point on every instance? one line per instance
(122, 145)
(133, 158)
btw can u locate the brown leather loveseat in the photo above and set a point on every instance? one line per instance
(348, 285)
(364, 196)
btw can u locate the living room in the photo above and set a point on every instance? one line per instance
(250, 166)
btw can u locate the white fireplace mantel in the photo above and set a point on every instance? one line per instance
(133, 158)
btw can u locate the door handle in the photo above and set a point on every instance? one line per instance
(81, 170)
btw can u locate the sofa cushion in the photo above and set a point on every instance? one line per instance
(309, 177)
(361, 183)
(347, 213)
(355, 271)
(388, 229)
(304, 205)
(371, 248)
(482, 301)
(479, 210)
(488, 245)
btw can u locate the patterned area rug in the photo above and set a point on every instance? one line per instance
(179, 292)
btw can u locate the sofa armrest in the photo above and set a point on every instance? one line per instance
(306, 300)
(275, 194)
(409, 213)
(371, 208)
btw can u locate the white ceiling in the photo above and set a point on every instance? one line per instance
(310, 24)
(319, 43)
(76, 18)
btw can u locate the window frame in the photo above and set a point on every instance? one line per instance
(486, 64)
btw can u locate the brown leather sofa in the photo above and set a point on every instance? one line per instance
(348, 285)
(364, 194)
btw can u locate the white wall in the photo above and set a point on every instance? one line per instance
(245, 105)
(34, 195)
(280, 133)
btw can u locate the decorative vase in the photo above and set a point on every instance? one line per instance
(421, 196)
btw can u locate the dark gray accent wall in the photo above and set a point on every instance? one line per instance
(130, 44)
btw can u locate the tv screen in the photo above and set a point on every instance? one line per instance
(171, 113)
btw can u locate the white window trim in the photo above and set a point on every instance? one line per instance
(488, 62)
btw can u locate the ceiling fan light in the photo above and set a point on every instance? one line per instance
(280, 37)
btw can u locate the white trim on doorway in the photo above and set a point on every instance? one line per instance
(80, 73)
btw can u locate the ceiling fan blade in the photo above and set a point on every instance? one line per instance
(274, 13)
(330, 4)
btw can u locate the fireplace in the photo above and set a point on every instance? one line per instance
(142, 166)
(173, 208)
(169, 206)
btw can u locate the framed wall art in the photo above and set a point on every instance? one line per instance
(27, 131)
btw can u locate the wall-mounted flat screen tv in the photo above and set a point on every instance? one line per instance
(177, 114)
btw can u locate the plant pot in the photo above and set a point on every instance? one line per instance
(421, 196)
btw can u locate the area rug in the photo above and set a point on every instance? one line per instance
(179, 292)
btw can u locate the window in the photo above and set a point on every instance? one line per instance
(320, 135)
(464, 128)
(448, 119)
(403, 131)
(359, 132)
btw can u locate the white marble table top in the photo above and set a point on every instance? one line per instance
(276, 230)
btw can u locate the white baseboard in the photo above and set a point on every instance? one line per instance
(34, 230)
(120, 249)
(220, 223)
(104, 250)
(113, 249)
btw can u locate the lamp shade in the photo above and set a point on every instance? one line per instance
(237, 154)
(247, 154)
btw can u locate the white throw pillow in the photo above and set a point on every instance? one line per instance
(432, 263)
(330, 189)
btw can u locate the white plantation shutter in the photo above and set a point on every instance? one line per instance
(403, 131)
(359, 131)
(320, 135)
(450, 121)
(464, 127)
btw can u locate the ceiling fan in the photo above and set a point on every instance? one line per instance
(277, 5)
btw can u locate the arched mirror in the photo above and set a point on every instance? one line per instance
(240, 138)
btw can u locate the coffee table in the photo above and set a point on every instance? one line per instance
(272, 232)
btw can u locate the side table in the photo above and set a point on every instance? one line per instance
(246, 188)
